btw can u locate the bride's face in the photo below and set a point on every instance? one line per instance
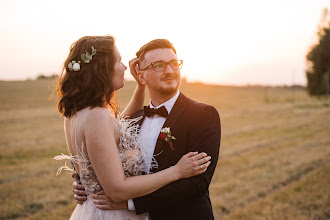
(119, 70)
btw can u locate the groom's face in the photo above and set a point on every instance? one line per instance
(164, 82)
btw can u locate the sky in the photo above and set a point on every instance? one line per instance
(236, 42)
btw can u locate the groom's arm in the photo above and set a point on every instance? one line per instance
(205, 133)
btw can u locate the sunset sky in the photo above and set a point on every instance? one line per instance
(221, 42)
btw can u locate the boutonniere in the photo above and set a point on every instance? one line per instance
(165, 134)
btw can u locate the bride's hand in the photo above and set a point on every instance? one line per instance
(192, 164)
(134, 68)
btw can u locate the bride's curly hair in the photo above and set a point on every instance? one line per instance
(92, 85)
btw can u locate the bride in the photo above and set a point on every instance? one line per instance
(103, 146)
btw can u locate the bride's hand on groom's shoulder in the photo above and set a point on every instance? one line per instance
(104, 202)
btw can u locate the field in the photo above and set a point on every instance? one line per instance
(274, 158)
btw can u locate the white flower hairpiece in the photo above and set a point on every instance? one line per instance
(85, 57)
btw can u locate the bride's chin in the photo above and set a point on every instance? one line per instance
(119, 87)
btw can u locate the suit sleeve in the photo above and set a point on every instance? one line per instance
(204, 136)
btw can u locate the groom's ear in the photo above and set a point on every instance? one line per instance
(140, 76)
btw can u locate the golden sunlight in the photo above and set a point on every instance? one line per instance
(239, 42)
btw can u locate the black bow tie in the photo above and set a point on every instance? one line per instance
(158, 111)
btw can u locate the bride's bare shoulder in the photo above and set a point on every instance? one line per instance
(99, 115)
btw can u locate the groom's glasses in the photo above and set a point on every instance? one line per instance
(161, 65)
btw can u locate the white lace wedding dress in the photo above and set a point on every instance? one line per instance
(131, 155)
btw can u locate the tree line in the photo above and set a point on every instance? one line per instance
(318, 59)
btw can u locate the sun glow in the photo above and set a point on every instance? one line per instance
(221, 42)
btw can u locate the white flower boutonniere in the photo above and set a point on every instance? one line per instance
(165, 134)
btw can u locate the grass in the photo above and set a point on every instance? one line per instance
(274, 158)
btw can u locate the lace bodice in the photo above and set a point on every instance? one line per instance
(131, 155)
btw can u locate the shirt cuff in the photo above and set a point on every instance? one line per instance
(131, 205)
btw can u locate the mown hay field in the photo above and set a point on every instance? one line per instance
(274, 158)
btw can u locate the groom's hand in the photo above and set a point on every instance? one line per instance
(79, 192)
(104, 202)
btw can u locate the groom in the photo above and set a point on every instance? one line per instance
(195, 126)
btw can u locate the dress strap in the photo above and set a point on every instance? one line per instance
(80, 156)
(79, 129)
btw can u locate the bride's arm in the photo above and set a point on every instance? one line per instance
(137, 99)
(102, 150)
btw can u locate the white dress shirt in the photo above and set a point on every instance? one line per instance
(149, 133)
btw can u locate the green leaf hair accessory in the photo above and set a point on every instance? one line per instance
(85, 57)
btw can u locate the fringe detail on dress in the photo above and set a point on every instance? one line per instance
(87, 174)
(65, 167)
(131, 154)
(80, 159)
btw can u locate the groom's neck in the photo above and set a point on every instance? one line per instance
(158, 99)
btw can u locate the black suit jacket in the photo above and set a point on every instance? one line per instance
(196, 127)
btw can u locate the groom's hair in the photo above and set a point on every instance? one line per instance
(152, 45)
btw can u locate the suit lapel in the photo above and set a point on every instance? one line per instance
(178, 109)
(139, 114)
(142, 119)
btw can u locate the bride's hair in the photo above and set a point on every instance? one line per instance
(92, 85)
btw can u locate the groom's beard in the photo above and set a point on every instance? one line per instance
(168, 90)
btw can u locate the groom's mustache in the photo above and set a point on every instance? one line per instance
(173, 76)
